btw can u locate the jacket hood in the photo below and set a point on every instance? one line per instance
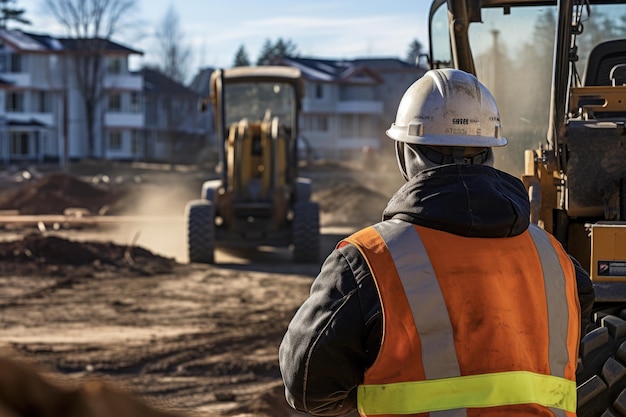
(464, 199)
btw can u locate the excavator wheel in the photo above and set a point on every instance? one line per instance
(201, 231)
(306, 232)
(601, 371)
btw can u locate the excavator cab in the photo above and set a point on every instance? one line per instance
(557, 70)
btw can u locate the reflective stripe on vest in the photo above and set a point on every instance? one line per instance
(437, 382)
(475, 391)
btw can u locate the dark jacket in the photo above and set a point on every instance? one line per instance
(335, 335)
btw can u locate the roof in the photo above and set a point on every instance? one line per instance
(201, 83)
(384, 63)
(356, 71)
(47, 41)
(86, 44)
(22, 41)
(154, 81)
(36, 42)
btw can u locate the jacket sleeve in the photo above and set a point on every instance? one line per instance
(326, 349)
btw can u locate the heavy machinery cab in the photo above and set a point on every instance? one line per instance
(259, 199)
(557, 71)
(256, 111)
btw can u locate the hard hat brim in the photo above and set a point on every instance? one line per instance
(399, 134)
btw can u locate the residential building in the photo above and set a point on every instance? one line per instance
(348, 104)
(112, 96)
(174, 128)
(144, 115)
(45, 101)
(31, 85)
(43, 106)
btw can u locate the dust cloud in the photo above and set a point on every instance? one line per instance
(158, 211)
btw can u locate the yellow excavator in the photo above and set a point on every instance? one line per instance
(558, 72)
(259, 199)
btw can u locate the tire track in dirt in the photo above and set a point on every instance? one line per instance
(223, 359)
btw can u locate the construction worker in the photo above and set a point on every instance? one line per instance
(454, 303)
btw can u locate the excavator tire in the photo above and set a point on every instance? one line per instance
(306, 232)
(201, 231)
(601, 371)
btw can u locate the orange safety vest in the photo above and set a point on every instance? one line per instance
(472, 326)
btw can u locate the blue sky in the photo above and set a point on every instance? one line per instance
(343, 29)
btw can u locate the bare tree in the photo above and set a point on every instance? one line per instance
(90, 25)
(174, 54)
(92, 18)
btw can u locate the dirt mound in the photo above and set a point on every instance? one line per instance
(37, 253)
(53, 193)
(342, 199)
(351, 204)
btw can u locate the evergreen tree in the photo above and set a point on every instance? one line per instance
(281, 48)
(7, 12)
(266, 52)
(241, 58)
(415, 50)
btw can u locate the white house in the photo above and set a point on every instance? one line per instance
(348, 104)
(43, 115)
(30, 94)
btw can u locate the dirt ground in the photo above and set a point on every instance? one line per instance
(121, 303)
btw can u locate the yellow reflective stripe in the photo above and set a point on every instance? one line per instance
(474, 391)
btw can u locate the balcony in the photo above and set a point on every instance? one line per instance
(18, 79)
(123, 82)
(30, 117)
(123, 120)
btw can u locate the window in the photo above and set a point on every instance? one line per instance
(42, 101)
(135, 142)
(356, 92)
(151, 113)
(135, 102)
(20, 143)
(115, 141)
(53, 61)
(114, 65)
(15, 102)
(16, 63)
(316, 123)
(345, 126)
(115, 102)
(319, 91)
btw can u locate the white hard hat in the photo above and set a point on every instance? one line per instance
(448, 107)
